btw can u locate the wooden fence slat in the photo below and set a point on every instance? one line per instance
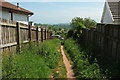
(106, 37)
(42, 34)
(14, 33)
(29, 32)
(45, 34)
(18, 39)
(37, 36)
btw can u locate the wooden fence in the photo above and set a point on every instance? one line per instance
(107, 38)
(14, 33)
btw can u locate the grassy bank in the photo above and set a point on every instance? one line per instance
(81, 64)
(35, 61)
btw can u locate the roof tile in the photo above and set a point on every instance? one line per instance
(8, 5)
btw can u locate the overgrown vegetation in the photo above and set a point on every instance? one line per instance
(87, 22)
(81, 64)
(109, 68)
(38, 61)
(77, 24)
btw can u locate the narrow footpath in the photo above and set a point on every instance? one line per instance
(70, 73)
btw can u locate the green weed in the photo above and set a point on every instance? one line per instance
(34, 61)
(83, 68)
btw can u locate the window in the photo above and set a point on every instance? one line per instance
(11, 15)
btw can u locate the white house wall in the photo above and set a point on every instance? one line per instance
(19, 17)
(16, 16)
(5, 15)
(107, 16)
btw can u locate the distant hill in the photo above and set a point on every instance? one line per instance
(62, 25)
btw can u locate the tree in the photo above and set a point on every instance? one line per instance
(76, 22)
(86, 22)
(89, 23)
(77, 25)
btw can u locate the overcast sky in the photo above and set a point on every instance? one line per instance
(62, 12)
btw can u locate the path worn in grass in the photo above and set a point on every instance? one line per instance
(70, 73)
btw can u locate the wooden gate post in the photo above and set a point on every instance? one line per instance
(18, 37)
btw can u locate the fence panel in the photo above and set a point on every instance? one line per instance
(24, 34)
(107, 38)
(14, 33)
(8, 34)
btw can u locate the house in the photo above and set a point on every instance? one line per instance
(111, 12)
(14, 12)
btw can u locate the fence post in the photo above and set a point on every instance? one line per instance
(29, 35)
(50, 34)
(37, 36)
(18, 37)
(45, 33)
(42, 34)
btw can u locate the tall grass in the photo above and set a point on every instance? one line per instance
(35, 61)
(81, 64)
(50, 52)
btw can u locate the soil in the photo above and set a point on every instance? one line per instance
(70, 73)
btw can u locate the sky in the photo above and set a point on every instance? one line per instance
(56, 0)
(62, 12)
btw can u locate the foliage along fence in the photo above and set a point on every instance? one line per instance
(107, 38)
(13, 33)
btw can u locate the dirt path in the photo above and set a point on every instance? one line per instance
(70, 73)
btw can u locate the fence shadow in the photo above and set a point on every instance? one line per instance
(102, 44)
